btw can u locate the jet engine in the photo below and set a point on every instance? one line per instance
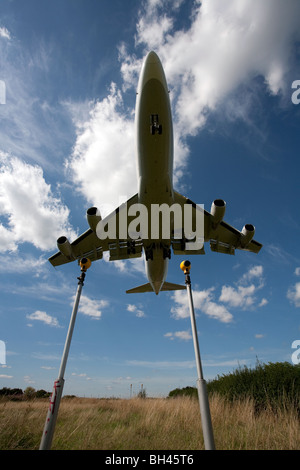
(65, 247)
(247, 234)
(93, 217)
(218, 211)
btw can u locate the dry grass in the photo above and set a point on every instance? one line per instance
(150, 424)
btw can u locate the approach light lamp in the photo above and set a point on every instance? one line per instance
(85, 263)
(185, 266)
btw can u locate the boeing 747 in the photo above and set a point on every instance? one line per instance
(123, 234)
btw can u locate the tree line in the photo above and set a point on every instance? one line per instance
(19, 394)
(269, 385)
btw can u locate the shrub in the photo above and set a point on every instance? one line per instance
(269, 385)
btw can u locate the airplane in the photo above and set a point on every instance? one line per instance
(154, 153)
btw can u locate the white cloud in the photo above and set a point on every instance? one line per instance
(43, 317)
(16, 263)
(33, 213)
(182, 335)
(238, 297)
(90, 307)
(297, 271)
(134, 309)
(293, 294)
(4, 33)
(244, 296)
(103, 162)
(255, 272)
(203, 301)
(263, 302)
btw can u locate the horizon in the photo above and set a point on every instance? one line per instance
(68, 79)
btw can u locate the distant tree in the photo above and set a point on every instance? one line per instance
(142, 393)
(29, 393)
(186, 391)
(11, 391)
(42, 394)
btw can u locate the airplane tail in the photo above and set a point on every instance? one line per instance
(148, 288)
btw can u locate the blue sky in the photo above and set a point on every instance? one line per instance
(70, 71)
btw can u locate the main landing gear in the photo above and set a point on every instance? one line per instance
(149, 250)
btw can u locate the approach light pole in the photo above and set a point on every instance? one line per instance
(207, 429)
(49, 427)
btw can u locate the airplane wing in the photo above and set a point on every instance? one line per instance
(90, 246)
(223, 237)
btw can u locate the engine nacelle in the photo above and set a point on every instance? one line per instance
(93, 217)
(248, 232)
(218, 211)
(65, 247)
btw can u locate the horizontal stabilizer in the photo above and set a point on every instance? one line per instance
(148, 288)
(171, 286)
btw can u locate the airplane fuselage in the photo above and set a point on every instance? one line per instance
(154, 152)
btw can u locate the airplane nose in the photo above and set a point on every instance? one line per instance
(152, 69)
(152, 58)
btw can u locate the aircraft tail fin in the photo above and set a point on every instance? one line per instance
(167, 286)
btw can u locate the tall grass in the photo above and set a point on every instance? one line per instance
(150, 424)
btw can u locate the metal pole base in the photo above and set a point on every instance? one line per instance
(208, 435)
(52, 415)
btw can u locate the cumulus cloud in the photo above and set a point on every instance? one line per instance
(103, 162)
(90, 307)
(16, 263)
(43, 317)
(241, 296)
(203, 301)
(4, 33)
(33, 214)
(136, 310)
(293, 294)
(226, 45)
(181, 335)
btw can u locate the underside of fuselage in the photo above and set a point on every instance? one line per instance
(154, 150)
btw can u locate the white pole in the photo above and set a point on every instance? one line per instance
(51, 417)
(207, 428)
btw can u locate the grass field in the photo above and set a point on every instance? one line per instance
(146, 424)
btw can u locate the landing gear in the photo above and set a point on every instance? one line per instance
(166, 252)
(165, 249)
(155, 127)
(149, 252)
